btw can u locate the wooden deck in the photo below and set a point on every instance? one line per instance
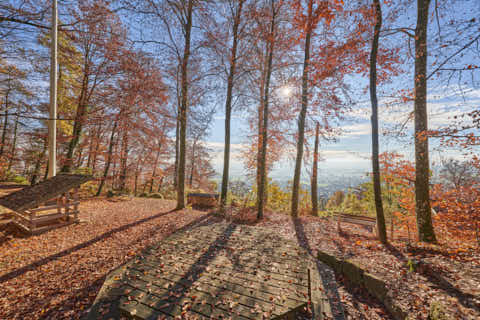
(224, 271)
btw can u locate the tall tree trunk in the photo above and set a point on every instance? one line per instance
(97, 147)
(228, 108)
(90, 150)
(260, 130)
(183, 110)
(422, 189)
(114, 169)
(381, 229)
(136, 184)
(5, 124)
(14, 144)
(154, 171)
(155, 165)
(77, 125)
(109, 159)
(303, 114)
(160, 184)
(45, 175)
(38, 164)
(192, 168)
(80, 157)
(177, 153)
(124, 159)
(314, 187)
(138, 171)
(92, 143)
(261, 199)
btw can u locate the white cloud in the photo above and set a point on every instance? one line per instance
(358, 129)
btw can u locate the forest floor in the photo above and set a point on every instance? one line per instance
(57, 275)
(447, 275)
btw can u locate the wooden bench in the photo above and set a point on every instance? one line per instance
(358, 220)
(203, 200)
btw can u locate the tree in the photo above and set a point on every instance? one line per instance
(422, 166)
(99, 43)
(182, 114)
(270, 44)
(236, 15)
(458, 174)
(381, 229)
(309, 25)
(314, 189)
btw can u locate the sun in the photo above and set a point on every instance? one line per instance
(285, 92)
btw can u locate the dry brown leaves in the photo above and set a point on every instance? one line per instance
(57, 275)
(441, 274)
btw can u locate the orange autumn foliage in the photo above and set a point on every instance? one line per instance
(457, 209)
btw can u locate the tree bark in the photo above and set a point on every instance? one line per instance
(183, 110)
(381, 228)
(314, 187)
(422, 190)
(228, 108)
(177, 153)
(155, 165)
(77, 126)
(138, 171)
(38, 164)
(303, 114)
(97, 147)
(124, 159)
(80, 157)
(5, 124)
(109, 159)
(14, 144)
(160, 184)
(261, 194)
(192, 168)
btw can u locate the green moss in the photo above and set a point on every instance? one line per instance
(375, 286)
(353, 272)
(437, 311)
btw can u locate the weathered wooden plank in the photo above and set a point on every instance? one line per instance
(218, 271)
(319, 301)
(252, 270)
(200, 248)
(238, 235)
(257, 290)
(279, 252)
(173, 302)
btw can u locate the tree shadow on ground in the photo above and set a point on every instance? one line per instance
(437, 277)
(34, 265)
(183, 285)
(85, 294)
(326, 274)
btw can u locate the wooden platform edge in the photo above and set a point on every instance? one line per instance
(319, 301)
(95, 311)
